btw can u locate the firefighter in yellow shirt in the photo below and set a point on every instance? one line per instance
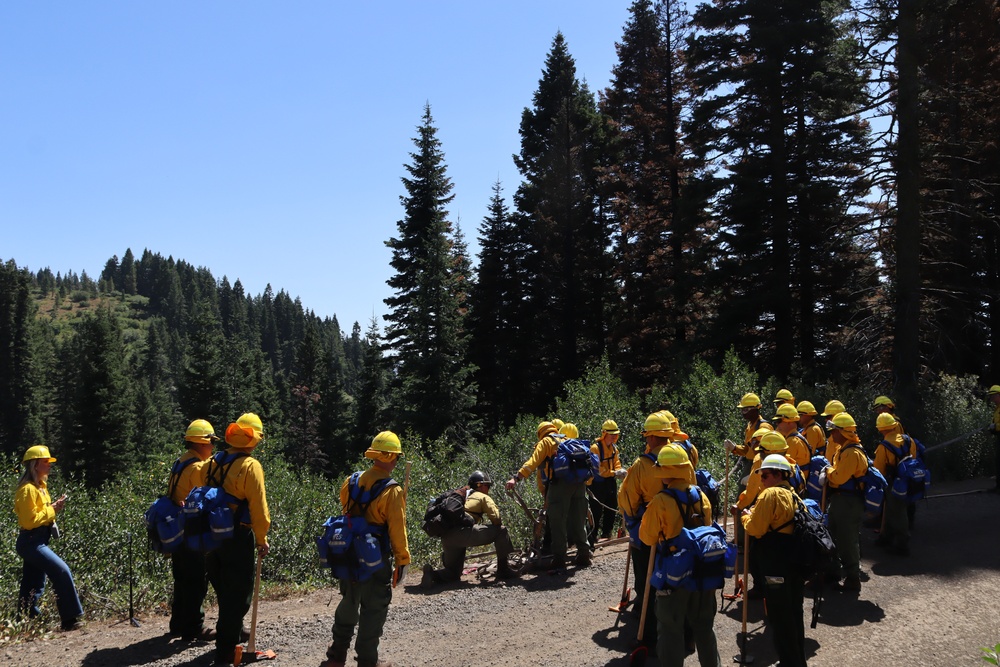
(810, 429)
(896, 534)
(679, 607)
(786, 422)
(188, 566)
(366, 604)
(565, 502)
(846, 499)
(604, 487)
(231, 567)
(832, 409)
(639, 487)
(770, 523)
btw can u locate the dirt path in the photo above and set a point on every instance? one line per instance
(935, 608)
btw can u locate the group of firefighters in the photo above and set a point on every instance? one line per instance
(678, 622)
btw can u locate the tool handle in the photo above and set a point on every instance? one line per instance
(252, 643)
(645, 595)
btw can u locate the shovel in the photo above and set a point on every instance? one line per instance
(743, 658)
(251, 654)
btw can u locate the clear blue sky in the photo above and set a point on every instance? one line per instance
(264, 140)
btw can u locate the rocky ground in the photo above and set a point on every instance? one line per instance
(934, 608)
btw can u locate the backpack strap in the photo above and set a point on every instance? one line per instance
(359, 500)
(175, 475)
(798, 434)
(650, 456)
(692, 498)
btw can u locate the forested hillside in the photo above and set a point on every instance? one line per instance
(810, 185)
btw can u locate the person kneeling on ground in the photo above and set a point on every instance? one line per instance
(481, 507)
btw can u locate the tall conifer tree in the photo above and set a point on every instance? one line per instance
(426, 336)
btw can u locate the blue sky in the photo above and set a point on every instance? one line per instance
(264, 140)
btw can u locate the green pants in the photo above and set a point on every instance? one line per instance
(897, 522)
(698, 608)
(845, 514)
(567, 515)
(783, 602)
(231, 570)
(190, 586)
(457, 540)
(364, 605)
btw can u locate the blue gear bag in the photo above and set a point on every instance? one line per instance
(351, 547)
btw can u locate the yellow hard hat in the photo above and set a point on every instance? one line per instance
(388, 442)
(833, 407)
(885, 421)
(773, 442)
(38, 452)
(749, 401)
(201, 432)
(545, 428)
(844, 420)
(887, 402)
(250, 420)
(672, 455)
(761, 432)
(570, 430)
(806, 408)
(784, 396)
(558, 423)
(609, 426)
(995, 389)
(775, 462)
(787, 412)
(658, 423)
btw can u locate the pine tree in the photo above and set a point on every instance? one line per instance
(496, 300)
(20, 373)
(99, 430)
(563, 225)
(372, 399)
(661, 266)
(782, 94)
(433, 391)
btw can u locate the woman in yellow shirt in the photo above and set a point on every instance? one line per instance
(36, 514)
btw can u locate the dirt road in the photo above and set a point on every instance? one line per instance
(933, 609)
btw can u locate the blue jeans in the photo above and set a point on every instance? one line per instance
(40, 561)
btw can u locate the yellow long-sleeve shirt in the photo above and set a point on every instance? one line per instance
(751, 494)
(848, 463)
(388, 509)
(191, 476)
(775, 507)
(481, 507)
(798, 449)
(885, 460)
(245, 481)
(33, 506)
(745, 449)
(639, 486)
(815, 436)
(540, 459)
(663, 519)
(608, 456)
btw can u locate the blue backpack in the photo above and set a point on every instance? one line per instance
(912, 475)
(208, 516)
(350, 546)
(574, 462)
(710, 487)
(699, 558)
(814, 490)
(872, 486)
(165, 518)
